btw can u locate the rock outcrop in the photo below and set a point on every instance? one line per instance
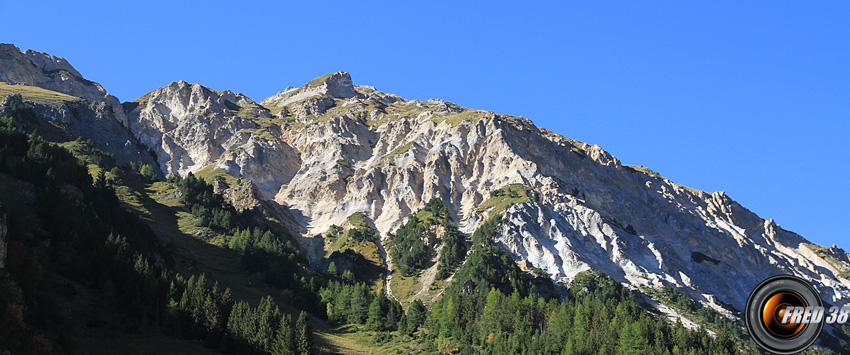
(243, 196)
(334, 85)
(189, 127)
(53, 73)
(62, 121)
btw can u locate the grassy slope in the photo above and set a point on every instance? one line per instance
(210, 172)
(35, 94)
(503, 198)
(352, 339)
(195, 249)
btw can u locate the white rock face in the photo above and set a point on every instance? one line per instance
(190, 127)
(53, 73)
(335, 85)
(346, 149)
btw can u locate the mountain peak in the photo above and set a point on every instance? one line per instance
(336, 85)
(53, 73)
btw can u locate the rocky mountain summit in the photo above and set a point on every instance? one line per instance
(52, 73)
(329, 149)
(64, 105)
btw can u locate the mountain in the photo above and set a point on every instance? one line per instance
(329, 149)
(331, 157)
(54, 73)
(64, 104)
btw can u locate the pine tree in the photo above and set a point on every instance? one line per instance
(402, 326)
(394, 312)
(348, 277)
(226, 304)
(416, 315)
(375, 320)
(359, 308)
(236, 338)
(268, 319)
(212, 322)
(304, 335)
(633, 341)
(491, 321)
(332, 271)
(284, 343)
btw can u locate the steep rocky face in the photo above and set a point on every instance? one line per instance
(243, 196)
(190, 127)
(329, 149)
(62, 105)
(62, 121)
(334, 85)
(53, 73)
(593, 212)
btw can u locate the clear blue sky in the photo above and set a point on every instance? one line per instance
(752, 98)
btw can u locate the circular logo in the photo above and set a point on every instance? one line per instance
(782, 314)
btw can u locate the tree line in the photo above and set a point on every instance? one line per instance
(493, 307)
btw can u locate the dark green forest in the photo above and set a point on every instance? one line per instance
(74, 230)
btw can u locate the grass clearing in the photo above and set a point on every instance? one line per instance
(423, 216)
(353, 339)
(389, 158)
(505, 197)
(111, 335)
(643, 169)
(420, 286)
(369, 265)
(404, 288)
(194, 248)
(35, 94)
(358, 219)
(318, 81)
(250, 111)
(211, 172)
(468, 115)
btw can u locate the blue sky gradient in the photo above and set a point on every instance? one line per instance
(751, 98)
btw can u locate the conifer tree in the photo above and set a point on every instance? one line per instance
(376, 318)
(304, 335)
(268, 319)
(416, 315)
(284, 343)
(332, 271)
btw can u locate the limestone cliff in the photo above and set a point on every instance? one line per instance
(333, 149)
(53, 73)
(189, 127)
(330, 148)
(50, 96)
